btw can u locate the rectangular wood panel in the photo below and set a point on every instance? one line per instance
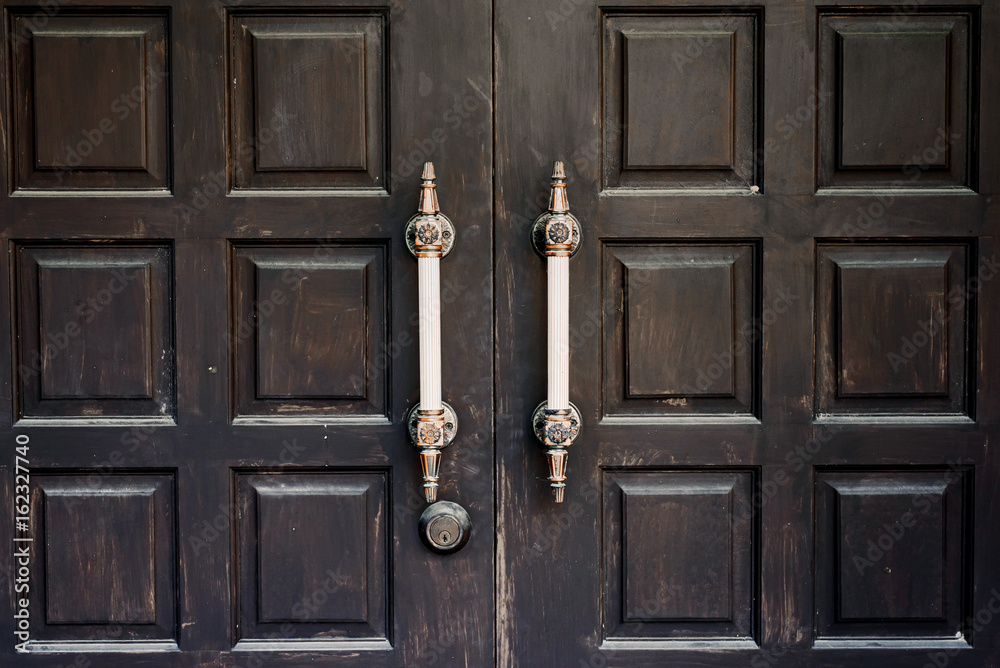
(891, 553)
(315, 344)
(704, 92)
(121, 348)
(96, 331)
(61, 63)
(104, 567)
(99, 561)
(91, 96)
(313, 555)
(881, 300)
(679, 322)
(309, 327)
(308, 96)
(679, 555)
(893, 331)
(289, 80)
(901, 99)
(679, 91)
(314, 526)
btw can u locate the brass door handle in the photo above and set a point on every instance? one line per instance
(432, 423)
(557, 422)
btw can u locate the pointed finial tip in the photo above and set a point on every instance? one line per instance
(558, 172)
(428, 174)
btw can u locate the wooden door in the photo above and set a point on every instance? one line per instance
(212, 319)
(783, 329)
(782, 322)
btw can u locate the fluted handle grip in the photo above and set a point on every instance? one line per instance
(430, 236)
(556, 236)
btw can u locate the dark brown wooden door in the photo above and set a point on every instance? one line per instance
(782, 333)
(783, 323)
(212, 319)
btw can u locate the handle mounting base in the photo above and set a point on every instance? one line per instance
(556, 430)
(447, 232)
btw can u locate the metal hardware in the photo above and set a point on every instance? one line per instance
(445, 527)
(432, 423)
(557, 232)
(556, 430)
(432, 432)
(556, 422)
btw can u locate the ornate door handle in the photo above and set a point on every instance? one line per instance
(430, 236)
(556, 422)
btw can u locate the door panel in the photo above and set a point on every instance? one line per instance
(333, 527)
(777, 335)
(322, 76)
(104, 562)
(682, 561)
(890, 552)
(95, 335)
(908, 120)
(698, 300)
(214, 317)
(111, 70)
(706, 64)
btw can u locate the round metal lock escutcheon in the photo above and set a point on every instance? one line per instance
(445, 527)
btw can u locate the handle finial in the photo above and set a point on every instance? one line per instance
(428, 191)
(558, 202)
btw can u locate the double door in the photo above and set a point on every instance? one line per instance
(780, 334)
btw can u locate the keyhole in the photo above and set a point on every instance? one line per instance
(441, 528)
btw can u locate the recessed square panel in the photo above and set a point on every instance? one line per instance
(104, 565)
(70, 72)
(95, 94)
(308, 101)
(703, 88)
(892, 329)
(659, 293)
(899, 97)
(679, 555)
(882, 303)
(304, 533)
(890, 553)
(125, 359)
(314, 345)
(309, 327)
(872, 135)
(678, 97)
(328, 99)
(96, 331)
(679, 324)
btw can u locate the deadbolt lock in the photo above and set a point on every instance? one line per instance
(445, 527)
